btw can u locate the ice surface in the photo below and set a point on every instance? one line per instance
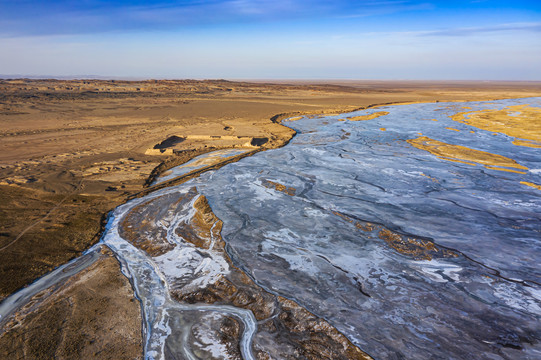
(456, 273)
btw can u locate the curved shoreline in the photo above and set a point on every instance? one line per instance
(338, 111)
(100, 202)
(77, 264)
(196, 173)
(288, 175)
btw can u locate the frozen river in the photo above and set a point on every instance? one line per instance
(409, 252)
(413, 230)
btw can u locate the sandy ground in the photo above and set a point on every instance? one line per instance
(93, 315)
(70, 151)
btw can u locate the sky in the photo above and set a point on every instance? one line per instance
(272, 39)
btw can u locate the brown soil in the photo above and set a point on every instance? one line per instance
(92, 316)
(466, 155)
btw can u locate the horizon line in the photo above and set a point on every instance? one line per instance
(145, 78)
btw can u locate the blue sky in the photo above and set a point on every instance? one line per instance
(273, 39)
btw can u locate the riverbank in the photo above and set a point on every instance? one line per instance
(62, 169)
(390, 243)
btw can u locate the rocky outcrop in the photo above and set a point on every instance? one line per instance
(178, 143)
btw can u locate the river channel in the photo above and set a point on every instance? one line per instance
(413, 231)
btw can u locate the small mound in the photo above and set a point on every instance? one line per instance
(170, 141)
(259, 141)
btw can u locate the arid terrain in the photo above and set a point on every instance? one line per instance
(71, 151)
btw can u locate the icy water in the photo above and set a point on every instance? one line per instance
(199, 162)
(414, 235)
(168, 324)
(407, 253)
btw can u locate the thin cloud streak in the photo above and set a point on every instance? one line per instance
(467, 31)
(93, 16)
(386, 8)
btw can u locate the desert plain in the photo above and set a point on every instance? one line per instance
(73, 150)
